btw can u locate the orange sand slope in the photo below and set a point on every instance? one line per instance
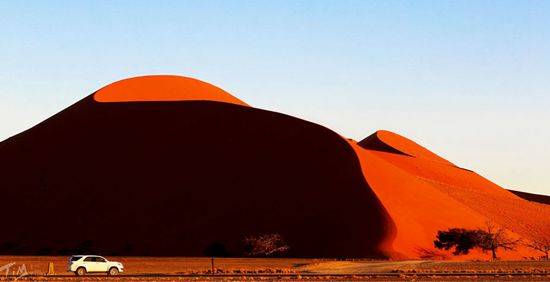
(163, 88)
(423, 193)
(173, 166)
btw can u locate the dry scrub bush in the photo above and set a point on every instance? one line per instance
(264, 245)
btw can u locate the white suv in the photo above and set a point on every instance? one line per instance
(83, 264)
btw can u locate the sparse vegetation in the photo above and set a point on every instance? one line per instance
(463, 240)
(494, 237)
(152, 269)
(430, 254)
(264, 245)
(541, 242)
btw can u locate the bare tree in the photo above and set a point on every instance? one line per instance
(494, 238)
(541, 242)
(265, 245)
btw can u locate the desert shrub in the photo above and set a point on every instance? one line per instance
(461, 239)
(264, 245)
(430, 254)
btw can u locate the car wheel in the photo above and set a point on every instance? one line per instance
(81, 271)
(113, 271)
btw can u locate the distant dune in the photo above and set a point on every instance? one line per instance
(532, 197)
(173, 166)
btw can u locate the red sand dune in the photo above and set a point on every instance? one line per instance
(174, 178)
(167, 165)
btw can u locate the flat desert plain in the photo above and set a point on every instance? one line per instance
(29, 268)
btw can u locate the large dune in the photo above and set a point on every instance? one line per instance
(178, 177)
(173, 166)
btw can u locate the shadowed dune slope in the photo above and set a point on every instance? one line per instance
(424, 194)
(176, 178)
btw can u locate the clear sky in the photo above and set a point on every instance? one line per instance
(469, 80)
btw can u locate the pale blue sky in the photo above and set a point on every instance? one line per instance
(469, 80)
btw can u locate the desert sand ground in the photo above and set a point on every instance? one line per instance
(231, 269)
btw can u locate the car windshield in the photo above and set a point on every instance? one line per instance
(75, 258)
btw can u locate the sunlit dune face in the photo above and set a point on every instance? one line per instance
(163, 88)
(409, 147)
(423, 194)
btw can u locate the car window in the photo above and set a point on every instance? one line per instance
(100, 259)
(89, 259)
(75, 258)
